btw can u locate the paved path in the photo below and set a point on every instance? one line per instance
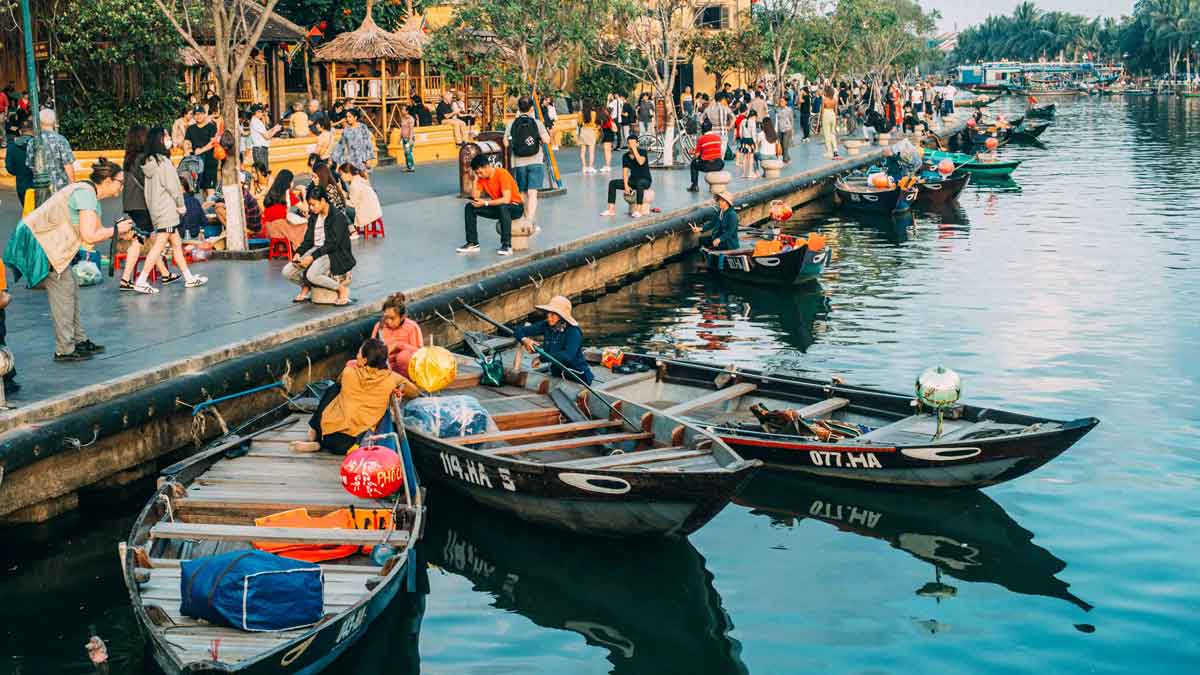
(248, 300)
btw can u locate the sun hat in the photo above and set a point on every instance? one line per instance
(725, 197)
(560, 306)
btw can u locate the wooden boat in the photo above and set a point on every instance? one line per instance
(1190, 94)
(853, 192)
(208, 503)
(934, 191)
(869, 435)
(797, 263)
(973, 164)
(963, 533)
(561, 457)
(588, 586)
(1028, 131)
(1043, 111)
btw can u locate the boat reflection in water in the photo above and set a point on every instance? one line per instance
(391, 644)
(647, 603)
(963, 534)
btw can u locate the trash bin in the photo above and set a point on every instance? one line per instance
(487, 143)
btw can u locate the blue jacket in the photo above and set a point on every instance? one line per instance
(724, 226)
(564, 342)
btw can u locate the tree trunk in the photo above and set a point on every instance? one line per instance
(231, 188)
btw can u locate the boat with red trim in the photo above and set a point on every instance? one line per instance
(834, 430)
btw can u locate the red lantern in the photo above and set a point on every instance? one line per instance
(945, 167)
(324, 26)
(991, 143)
(372, 472)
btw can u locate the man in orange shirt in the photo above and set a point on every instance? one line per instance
(495, 196)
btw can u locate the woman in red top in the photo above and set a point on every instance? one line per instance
(401, 334)
(275, 209)
(608, 136)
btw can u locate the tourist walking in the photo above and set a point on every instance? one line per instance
(707, 156)
(494, 195)
(526, 137)
(588, 135)
(16, 157)
(356, 146)
(635, 179)
(721, 118)
(60, 161)
(785, 121)
(408, 125)
(614, 113)
(133, 201)
(686, 104)
(46, 242)
(645, 114)
(804, 102)
(829, 122)
(747, 132)
(326, 260)
(164, 200)
(628, 117)
(608, 135)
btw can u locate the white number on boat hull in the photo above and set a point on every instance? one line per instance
(351, 624)
(475, 473)
(847, 460)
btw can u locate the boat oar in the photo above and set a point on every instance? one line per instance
(541, 352)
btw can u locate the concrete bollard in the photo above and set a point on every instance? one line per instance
(522, 230)
(771, 167)
(647, 199)
(718, 181)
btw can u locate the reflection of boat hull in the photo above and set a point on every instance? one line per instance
(593, 588)
(963, 533)
(797, 266)
(936, 193)
(981, 446)
(857, 195)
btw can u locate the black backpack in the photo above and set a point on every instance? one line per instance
(526, 141)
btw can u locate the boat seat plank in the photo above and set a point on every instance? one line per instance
(277, 451)
(567, 443)
(519, 419)
(711, 398)
(627, 459)
(911, 430)
(823, 407)
(329, 568)
(627, 380)
(250, 532)
(529, 433)
(196, 510)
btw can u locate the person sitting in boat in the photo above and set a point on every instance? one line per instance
(721, 234)
(356, 403)
(891, 164)
(401, 334)
(563, 340)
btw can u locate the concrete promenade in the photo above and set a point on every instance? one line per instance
(247, 306)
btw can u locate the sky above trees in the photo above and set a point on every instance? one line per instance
(966, 13)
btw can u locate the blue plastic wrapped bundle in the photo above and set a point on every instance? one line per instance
(448, 416)
(252, 590)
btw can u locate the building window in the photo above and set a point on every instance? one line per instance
(713, 17)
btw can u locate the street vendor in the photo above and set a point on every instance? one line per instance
(721, 233)
(563, 339)
(356, 403)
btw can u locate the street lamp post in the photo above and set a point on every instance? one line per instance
(41, 178)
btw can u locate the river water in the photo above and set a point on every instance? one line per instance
(1071, 291)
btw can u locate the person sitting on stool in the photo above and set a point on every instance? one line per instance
(563, 339)
(635, 178)
(721, 234)
(503, 202)
(706, 156)
(326, 258)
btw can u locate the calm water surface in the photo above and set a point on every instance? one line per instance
(1072, 291)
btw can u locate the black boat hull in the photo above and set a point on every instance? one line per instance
(938, 193)
(1044, 112)
(796, 266)
(873, 201)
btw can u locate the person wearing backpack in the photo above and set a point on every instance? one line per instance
(526, 136)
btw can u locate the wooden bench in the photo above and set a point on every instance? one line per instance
(568, 443)
(430, 144)
(822, 407)
(728, 393)
(633, 458)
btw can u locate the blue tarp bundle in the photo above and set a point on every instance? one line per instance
(447, 416)
(252, 590)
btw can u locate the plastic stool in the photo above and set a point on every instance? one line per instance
(121, 258)
(374, 229)
(281, 247)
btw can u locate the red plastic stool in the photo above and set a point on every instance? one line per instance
(280, 247)
(121, 258)
(374, 229)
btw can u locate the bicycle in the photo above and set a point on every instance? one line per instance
(653, 145)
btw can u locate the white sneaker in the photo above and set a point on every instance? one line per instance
(145, 289)
(605, 169)
(196, 281)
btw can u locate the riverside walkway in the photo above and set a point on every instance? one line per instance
(247, 306)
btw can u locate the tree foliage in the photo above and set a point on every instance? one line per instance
(127, 45)
(1156, 37)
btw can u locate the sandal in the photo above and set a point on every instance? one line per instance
(170, 279)
(126, 285)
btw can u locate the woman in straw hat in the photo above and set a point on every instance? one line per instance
(563, 339)
(722, 229)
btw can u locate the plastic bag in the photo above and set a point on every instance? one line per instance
(448, 416)
(87, 273)
(432, 368)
